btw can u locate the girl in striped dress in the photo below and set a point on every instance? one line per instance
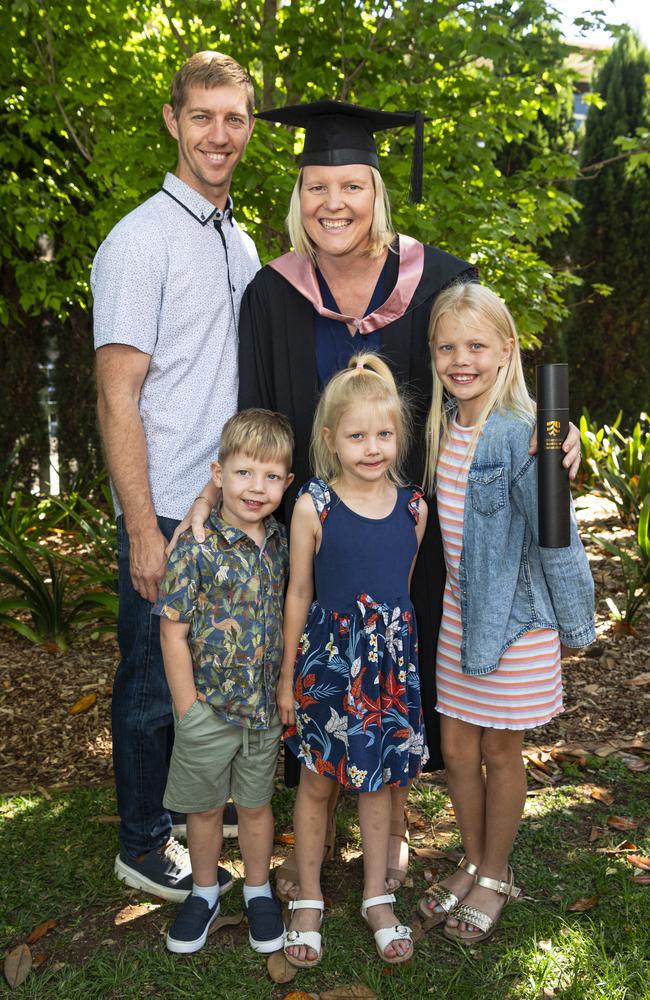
(508, 603)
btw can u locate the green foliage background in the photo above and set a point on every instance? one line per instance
(83, 142)
(608, 338)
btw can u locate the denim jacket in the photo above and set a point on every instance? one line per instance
(508, 584)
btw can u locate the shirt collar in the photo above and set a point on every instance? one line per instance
(198, 207)
(233, 535)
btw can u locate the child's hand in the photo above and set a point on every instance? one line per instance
(285, 703)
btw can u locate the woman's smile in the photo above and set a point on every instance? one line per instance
(336, 205)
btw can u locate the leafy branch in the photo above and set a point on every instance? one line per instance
(48, 64)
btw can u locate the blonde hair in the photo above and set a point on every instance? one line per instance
(381, 233)
(210, 69)
(367, 380)
(262, 435)
(481, 307)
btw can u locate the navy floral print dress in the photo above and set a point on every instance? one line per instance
(356, 685)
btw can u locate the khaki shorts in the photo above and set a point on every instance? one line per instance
(214, 760)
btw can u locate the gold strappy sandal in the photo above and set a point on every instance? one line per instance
(470, 915)
(443, 897)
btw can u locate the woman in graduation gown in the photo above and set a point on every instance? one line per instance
(351, 284)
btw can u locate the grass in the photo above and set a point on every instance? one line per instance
(58, 859)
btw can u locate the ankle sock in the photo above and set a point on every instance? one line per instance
(251, 891)
(210, 893)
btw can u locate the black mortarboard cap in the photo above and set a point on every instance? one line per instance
(337, 134)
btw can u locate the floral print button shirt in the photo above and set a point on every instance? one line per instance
(232, 594)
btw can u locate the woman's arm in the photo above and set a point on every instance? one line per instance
(305, 538)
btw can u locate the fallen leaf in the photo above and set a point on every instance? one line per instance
(540, 777)
(537, 762)
(300, 995)
(624, 628)
(44, 792)
(417, 929)
(568, 752)
(133, 912)
(284, 838)
(357, 990)
(632, 762)
(639, 681)
(279, 969)
(622, 823)
(40, 931)
(581, 905)
(415, 820)
(596, 833)
(546, 946)
(638, 861)
(641, 879)
(429, 853)
(108, 820)
(605, 749)
(430, 875)
(38, 959)
(570, 758)
(226, 920)
(83, 704)
(18, 964)
(602, 795)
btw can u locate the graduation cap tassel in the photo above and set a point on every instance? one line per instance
(417, 163)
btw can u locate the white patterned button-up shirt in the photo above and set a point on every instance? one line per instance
(168, 280)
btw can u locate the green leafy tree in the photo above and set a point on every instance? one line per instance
(83, 140)
(608, 341)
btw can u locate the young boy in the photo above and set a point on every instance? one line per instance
(220, 606)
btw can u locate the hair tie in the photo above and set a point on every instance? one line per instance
(360, 364)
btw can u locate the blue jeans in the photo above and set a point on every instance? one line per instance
(143, 724)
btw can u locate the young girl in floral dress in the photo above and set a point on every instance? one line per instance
(349, 688)
(508, 602)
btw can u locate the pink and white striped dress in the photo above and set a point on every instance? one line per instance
(525, 690)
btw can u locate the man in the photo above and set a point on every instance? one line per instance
(167, 284)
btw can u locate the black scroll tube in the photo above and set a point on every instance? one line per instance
(553, 493)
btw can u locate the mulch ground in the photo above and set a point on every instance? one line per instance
(43, 744)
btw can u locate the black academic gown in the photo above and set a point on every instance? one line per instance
(277, 371)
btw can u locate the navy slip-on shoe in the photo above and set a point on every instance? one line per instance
(165, 872)
(189, 931)
(265, 924)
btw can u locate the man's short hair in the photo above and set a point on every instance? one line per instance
(262, 435)
(210, 69)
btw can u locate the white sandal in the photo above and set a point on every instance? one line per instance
(310, 939)
(386, 935)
